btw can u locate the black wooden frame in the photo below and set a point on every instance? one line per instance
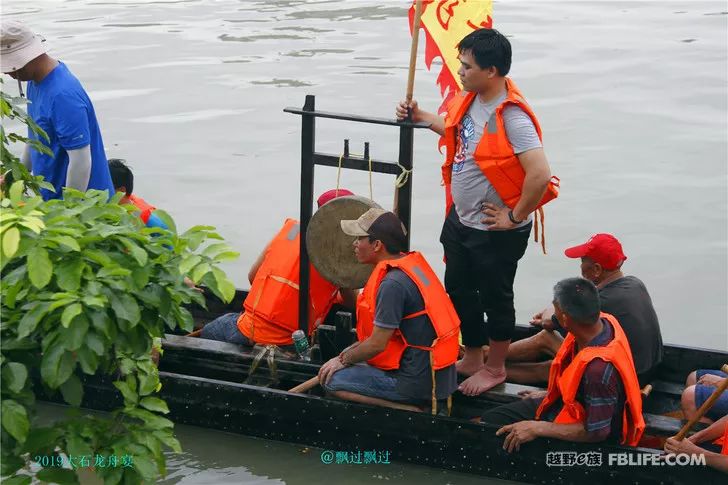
(310, 158)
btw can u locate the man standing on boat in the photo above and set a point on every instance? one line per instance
(270, 311)
(58, 104)
(496, 175)
(593, 394)
(406, 325)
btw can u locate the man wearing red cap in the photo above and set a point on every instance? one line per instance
(270, 311)
(625, 297)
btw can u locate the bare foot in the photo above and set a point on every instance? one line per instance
(483, 380)
(469, 365)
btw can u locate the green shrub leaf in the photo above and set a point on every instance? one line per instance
(69, 313)
(56, 366)
(31, 318)
(76, 333)
(125, 307)
(66, 241)
(72, 391)
(11, 240)
(15, 374)
(15, 419)
(68, 274)
(61, 476)
(154, 404)
(40, 268)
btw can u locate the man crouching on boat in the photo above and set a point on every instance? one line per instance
(593, 394)
(270, 311)
(406, 325)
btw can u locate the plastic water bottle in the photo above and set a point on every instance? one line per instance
(300, 342)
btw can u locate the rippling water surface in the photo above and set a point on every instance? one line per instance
(631, 96)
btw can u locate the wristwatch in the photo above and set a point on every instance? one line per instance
(513, 219)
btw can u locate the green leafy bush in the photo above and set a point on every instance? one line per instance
(85, 289)
(11, 168)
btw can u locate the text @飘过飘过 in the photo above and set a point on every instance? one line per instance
(594, 458)
(358, 457)
(84, 461)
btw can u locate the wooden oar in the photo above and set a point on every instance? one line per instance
(314, 381)
(705, 407)
(309, 384)
(411, 78)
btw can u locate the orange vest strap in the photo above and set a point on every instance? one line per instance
(540, 217)
(434, 342)
(415, 314)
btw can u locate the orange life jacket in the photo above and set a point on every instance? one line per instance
(564, 382)
(444, 349)
(723, 441)
(270, 313)
(494, 154)
(145, 209)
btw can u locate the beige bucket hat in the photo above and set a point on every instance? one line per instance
(18, 45)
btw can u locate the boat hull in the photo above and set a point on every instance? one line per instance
(418, 438)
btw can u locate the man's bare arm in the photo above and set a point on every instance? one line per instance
(569, 432)
(538, 174)
(257, 264)
(371, 347)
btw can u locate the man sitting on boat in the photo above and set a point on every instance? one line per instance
(123, 180)
(717, 431)
(699, 386)
(406, 325)
(593, 394)
(270, 311)
(625, 297)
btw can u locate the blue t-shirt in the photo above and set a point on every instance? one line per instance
(60, 106)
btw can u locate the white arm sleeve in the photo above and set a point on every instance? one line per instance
(79, 168)
(25, 158)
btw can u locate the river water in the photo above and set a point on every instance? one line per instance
(631, 96)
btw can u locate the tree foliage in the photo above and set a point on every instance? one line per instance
(85, 289)
(11, 168)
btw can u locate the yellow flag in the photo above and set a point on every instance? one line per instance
(445, 23)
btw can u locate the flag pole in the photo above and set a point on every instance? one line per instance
(413, 50)
(410, 84)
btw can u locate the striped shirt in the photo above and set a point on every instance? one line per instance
(601, 393)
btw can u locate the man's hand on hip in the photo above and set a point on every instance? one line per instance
(497, 217)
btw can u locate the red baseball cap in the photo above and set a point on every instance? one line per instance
(604, 249)
(330, 195)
